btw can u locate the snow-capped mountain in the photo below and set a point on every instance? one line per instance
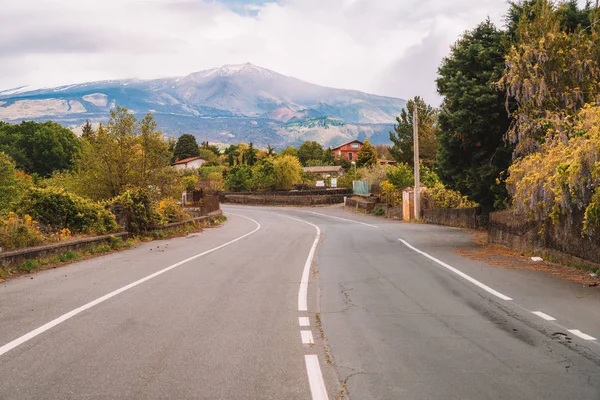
(227, 104)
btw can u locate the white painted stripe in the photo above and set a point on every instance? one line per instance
(545, 316)
(9, 346)
(315, 378)
(307, 337)
(303, 292)
(459, 273)
(582, 335)
(343, 219)
(304, 321)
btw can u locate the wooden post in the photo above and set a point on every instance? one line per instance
(417, 191)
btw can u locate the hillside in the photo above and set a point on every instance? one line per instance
(227, 104)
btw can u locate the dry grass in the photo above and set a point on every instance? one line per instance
(501, 256)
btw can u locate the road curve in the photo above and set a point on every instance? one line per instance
(389, 311)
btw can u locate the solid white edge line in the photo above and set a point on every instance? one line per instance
(303, 292)
(307, 337)
(544, 316)
(315, 378)
(457, 272)
(17, 342)
(343, 219)
(303, 321)
(582, 335)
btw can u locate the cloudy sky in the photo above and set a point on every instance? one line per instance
(387, 47)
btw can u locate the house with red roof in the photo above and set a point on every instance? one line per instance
(188, 163)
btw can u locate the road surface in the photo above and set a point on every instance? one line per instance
(286, 303)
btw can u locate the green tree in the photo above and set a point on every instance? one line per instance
(239, 179)
(310, 151)
(401, 176)
(124, 154)
(86, 130)
(367, 155)
(250, 156)
(289, 151)
(10, 189)
(153, 152)
(214, 149)
(287, 172)
(473, 118)
(39, 148)
(403, 135)
(263, 175)
(552, 71)
(328, 157)
(186, 147)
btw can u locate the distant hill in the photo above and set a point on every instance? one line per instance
(228, 104)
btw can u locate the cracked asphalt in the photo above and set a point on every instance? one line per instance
(387, 322)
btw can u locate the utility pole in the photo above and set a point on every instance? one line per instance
(417, 190)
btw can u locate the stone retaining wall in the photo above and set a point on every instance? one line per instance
(457, 217)
(292, 198)
(562, 242)
(16, 257)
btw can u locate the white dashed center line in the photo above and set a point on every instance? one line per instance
(582, 335)
(545, 316)
(304, 321)
(307, 337)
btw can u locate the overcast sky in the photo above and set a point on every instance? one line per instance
(387, 47)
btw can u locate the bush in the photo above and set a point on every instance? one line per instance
(16, 232)
(440, 197)
(401, 176)
(239, 179)
(169, 211)
(57, 209)
(139, 209)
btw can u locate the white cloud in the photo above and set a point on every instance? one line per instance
(389, 47)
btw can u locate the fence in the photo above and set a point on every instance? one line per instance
(360, 188)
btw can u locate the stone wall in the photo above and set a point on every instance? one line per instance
(562, 241)
(14, 257)
(363, 203)
(389, 211)
(457, 217)
(292, 198)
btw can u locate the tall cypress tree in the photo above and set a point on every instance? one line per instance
(473, 120)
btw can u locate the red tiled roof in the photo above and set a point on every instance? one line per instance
(344, 144)
(187, 160)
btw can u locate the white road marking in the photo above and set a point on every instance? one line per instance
(343, 219)
(582, 335)
(303, 292)
(457, 272)
(307, 337)
(304, 321)
(19, 341)
(315, 378)
(545, 316)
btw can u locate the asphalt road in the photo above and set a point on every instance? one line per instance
(284, 303)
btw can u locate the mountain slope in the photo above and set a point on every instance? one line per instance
(226, 104)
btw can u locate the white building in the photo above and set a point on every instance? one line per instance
(193, 162)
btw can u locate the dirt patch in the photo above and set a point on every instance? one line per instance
(481, 250)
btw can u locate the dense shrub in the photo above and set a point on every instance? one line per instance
(139, 209)
(440, 197)
(17, 232)
(563, 179)
(169, 211)
(56, 209)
